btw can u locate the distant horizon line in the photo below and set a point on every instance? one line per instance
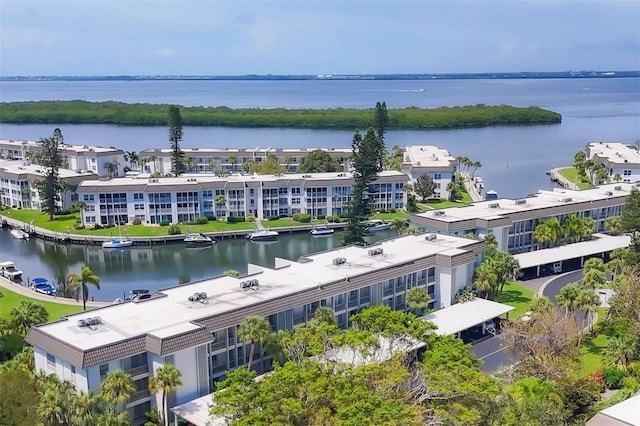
(340, 76)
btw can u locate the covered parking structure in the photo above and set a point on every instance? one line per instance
(569, 257)
(463, 316)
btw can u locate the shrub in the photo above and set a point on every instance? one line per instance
(78, 226)
(109, 225)
(251, 218)
(202, 220)
(174, 230)
(235, 219)
(232, 273)
(613, 377)
(334, 219)
(97, 226)
(393, 210)
(321, 217)
(165, 223)
(302, 217)
(274, 217)
(78, 220)
(137, 221)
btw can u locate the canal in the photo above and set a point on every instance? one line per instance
(159, 266)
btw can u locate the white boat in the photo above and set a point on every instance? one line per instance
(263, 235)
(377, 225)
(198, 240)
(8, 270)
(19, 234)
(321, 230)
(116, 243)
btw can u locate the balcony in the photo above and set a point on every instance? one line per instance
(135, 371)
(141, 394)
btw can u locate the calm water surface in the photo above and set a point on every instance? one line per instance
(514, 159)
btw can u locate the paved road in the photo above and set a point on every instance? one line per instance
(25, 291)
(491, 352)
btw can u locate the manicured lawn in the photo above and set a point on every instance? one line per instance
(593, 348)
(571, 174)
(517, 296)
(391, 216)
(55, 310)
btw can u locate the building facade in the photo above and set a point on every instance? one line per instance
(617, 158)
(85, 158)
(18, 189)
(195, 326)
(513, 221)
(435, 162)
(185, 198)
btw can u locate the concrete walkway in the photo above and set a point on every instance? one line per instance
(27, 292)
(471, 188)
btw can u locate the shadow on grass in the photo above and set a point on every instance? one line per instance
(513, 297)
(592, 346)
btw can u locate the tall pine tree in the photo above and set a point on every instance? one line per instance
(175, 138)
(381, 119)
(367, 156)
(51, 158)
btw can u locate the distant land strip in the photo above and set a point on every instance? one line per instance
(123, 114)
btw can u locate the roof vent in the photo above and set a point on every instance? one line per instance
(617, 188)
(494, 205)
(608, 193)
(567, 199)
(153, 180)
(375, 252)
(439, 213)
(89, 322)
(431, 237)
(199, 297)
(339, 261)
(250, 284)
(520, 202)
(306, 176)
(191, 179)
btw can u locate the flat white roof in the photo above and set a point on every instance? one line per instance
(615, 152)
(67, 147)
(381, 353)
(197, 412)
(600, 244)
(171, 314)
(627, 411)
(462, 316)
(427, 156)
(492, 209)
(20, 167)
(256, 150)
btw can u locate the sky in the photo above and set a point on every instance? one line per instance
(115, 37)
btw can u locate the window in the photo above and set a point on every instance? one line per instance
(104, 370)
(73, 369)
(51, 361)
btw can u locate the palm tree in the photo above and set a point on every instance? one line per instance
(233, 160)
(166, 380)
(568, 296)
(418, 298)
(620, 351)
(219, 201)
(256, 329)
(413, 230)
(617, 177)
(325, 314)
(153, 159)
(613, 225)
(452, 188)
(26, 315)
(111, 167)
(287, 161)
(399, 225)
(85, 409)
(132, 157)
(80, 282)
(588, 302)
(117, 388)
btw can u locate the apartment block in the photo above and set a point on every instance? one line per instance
(435, 162)
(617, 158)
(195, 326)
(512, 221)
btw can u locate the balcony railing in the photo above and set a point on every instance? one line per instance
(134, 371)
(144, 393)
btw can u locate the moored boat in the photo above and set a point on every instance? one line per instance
(263, 235)
(8, 270)
(20, 234)
(117, 243)
(377, 225)
(321, 230)
(198, 240)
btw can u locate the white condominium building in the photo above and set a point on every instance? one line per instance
(230, 160)
(85, 158)
(195, 326)
(187, 197)
(512, 221)
(435, 162)
(17, 184)
(617, 158)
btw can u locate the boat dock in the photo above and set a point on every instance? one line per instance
(555, 176)
(474, 190)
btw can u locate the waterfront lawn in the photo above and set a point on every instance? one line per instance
(593, 347)
(11, 300)
(571, 174)
(403, 215)
(443, 204)
(518, 296)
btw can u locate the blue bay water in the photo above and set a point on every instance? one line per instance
(514, 159)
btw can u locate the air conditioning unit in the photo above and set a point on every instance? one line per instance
(439, 213)
(520, 202)
(431, 237)
(250, 284)
(567, 200)
(82, 323)
(608, 193)
(494, 205)
(618, 188)
(375, 251)
(339, 261)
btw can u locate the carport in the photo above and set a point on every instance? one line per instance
(569, 257)
(462, 316)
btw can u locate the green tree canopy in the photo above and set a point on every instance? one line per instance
(319, 161)
(175, 139)
(424, 187)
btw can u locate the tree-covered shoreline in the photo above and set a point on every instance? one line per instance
(410, 118)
